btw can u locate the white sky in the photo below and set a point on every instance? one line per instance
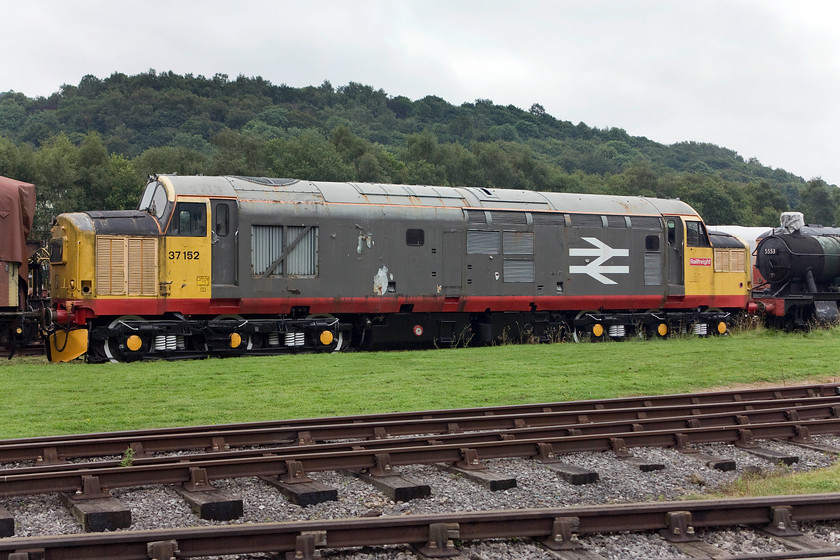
(757, 76)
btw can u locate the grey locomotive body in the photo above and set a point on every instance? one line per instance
(399, 265)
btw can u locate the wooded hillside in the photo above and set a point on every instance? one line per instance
(91, 146)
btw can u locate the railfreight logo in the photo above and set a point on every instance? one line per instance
(597, 268)
(700, 261)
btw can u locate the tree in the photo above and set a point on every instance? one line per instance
(816, 203)
(309, 156)
(55, 182)
(169, 159)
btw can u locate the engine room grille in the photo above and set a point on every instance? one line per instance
(126, 266)
(284, 250)
(730, 260)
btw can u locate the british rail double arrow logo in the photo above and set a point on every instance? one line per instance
(596, 268)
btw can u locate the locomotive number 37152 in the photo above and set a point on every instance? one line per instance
(186, 255)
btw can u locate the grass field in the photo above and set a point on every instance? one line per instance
(45, 399)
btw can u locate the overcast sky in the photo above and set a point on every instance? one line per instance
(759, 77)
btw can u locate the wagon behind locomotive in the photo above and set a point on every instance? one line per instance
(233, 265)
(17, 210)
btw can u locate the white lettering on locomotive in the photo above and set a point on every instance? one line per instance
(596, 268)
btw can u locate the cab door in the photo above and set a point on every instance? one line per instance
(676, 256)
(224, 238)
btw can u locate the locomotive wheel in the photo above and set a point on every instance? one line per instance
(718, 328)
(125, 348)
(338, 343)
(659, 328)
(589, 333)
(243, 343)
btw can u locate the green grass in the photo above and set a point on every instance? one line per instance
(46, 399)
(822, 481)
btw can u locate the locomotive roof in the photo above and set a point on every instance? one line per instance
(293, 190)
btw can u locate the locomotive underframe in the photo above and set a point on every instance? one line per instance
(182, 338)
(172, 338)
(651, 324)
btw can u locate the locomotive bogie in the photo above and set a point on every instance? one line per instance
(231, 266)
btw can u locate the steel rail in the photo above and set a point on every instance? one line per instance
(219, 438)
(740, 419)
(288, 461)
(733, 396)
(554, 526)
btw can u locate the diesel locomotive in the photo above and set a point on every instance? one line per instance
(245, 265)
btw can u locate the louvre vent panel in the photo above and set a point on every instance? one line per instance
(268, 243)
(549, 219)
(519, 270)
(266, 246)
(518, 243)
(653, 269)
(303, 259)
(508, 218)
(110, 266)
(730, 260)
(483, 242)
(476, 216)
(645, 222)
(126, 266)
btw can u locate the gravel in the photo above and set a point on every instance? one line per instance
(621, 481)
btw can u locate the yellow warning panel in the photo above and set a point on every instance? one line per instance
(64, 346)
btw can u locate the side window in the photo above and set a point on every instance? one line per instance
(696, 235)
(415, 237)
(190, 220)
(222, 227)
(672, 231)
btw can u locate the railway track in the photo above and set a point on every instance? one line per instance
(377, 426)
(435, 536)
(304, 458)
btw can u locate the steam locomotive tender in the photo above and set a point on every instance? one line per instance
(238, 265)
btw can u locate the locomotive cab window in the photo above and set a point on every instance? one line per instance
(222, 220)
(190, 220)
(696, 234)
(155, 201)
(415, 237)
